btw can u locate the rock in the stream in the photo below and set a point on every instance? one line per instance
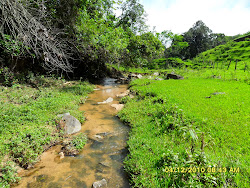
(105, 164)
(156, 74)
(174, 76)
(68, 148)
(123, 94)
(71, 124)
(132, 75)
(102, 183)
(61, 155)
(123, 80)
(110, 99)
(98, 136)
(118, 107)
(139, 76)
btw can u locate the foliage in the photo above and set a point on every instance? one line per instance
(6, 77)
(27, 124)
(9, 174)
(166, 63)
(172, 126)
(79, 141)
(117, 40)
(197, 39)
(240, 37)
(142, 49)
(166, 37)
(132, 17)
(10, 46)
(177, 46)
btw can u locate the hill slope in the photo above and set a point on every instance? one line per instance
(222, 55)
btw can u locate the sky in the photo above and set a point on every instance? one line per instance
(230, 17)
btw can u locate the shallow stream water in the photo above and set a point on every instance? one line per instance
(101, 157)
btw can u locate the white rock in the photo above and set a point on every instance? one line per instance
(110, 99)
(118, 107)
(61, 155)
(156, 74)
(98, 136)
(139, 76)
(102, 183)
(123, 94)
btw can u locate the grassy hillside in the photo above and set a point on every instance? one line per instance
(222, 55)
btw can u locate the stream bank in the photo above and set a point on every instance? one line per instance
(102, 156)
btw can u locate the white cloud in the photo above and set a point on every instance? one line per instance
(221, 16)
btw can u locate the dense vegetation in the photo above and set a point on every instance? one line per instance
(28, 125)
(185, 124)
(38, 35)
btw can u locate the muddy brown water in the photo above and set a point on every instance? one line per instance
(102, 157)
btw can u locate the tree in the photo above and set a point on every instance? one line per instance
(198, 39)
(132, 17)
(142, 49)
(218, 39)
(177, 48)
(165, 37)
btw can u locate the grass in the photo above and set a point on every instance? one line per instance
(200, 72)
(182, 124)
(222, 55)
(219, 74)
(27, 123)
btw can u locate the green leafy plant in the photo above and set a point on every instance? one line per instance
(79, 141)
(10, 46)
(8, 174)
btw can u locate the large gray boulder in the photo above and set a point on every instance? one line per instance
(70, 125)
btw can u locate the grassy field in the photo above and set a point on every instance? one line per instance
(224, 54)
(217, 73)
(197, 127)
(27, 123)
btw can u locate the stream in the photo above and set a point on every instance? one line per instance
(102, 156)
